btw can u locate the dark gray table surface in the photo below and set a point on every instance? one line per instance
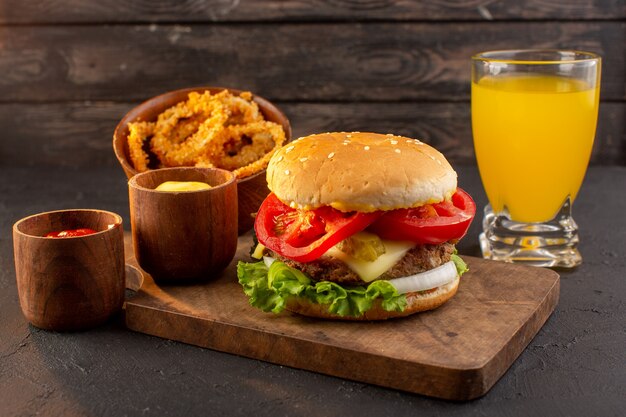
(575, 366)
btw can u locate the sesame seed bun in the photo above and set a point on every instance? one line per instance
(359, 172)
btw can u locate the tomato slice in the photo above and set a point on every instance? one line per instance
(431, 224)
(305, 235)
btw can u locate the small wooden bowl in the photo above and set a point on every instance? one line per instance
(188, 235)
(252, 189)
(69, 283)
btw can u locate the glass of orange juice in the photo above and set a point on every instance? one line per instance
(534, 115)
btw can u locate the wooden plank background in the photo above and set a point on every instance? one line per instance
(70, 70)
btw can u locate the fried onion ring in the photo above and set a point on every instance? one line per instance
(207, 130)
(242, 109)
(138, 137)
(246, 146)
(192, 149)
(176, 124)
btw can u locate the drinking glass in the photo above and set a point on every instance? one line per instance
(534, 115)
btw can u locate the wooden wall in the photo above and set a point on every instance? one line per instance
(70, 69)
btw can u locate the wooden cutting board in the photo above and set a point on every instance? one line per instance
(457, 351)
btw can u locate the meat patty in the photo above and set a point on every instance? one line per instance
(419, 259)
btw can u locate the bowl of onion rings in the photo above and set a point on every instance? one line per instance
(205, 127)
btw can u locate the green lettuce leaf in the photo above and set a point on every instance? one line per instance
(270, 288)
(461, 266)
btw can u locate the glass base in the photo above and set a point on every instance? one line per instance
(548, 244)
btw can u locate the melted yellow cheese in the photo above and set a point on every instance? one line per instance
(369, 270)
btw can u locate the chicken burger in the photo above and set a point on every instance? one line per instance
(358, 226)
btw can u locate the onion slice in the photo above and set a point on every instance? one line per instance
(268, 260)
(428, 280)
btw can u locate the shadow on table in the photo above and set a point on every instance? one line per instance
(113, 371)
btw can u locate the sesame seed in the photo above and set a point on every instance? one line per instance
(292, 204)
(304, 159)
(330, 155)
(286, 172)
(348, 135)
(394, 142)
(389, 134)
(280, 158)
(289, 149)
(367, 148)
(397, 150)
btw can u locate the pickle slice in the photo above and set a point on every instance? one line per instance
(364, 246)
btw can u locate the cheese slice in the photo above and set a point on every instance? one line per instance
(370, 270)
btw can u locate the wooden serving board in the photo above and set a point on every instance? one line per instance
(457, 351)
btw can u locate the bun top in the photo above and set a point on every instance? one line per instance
(359, 172)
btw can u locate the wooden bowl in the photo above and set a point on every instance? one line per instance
(252, 189)
(188, 235)
(69, 283)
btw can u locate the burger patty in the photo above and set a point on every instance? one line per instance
(419, 259)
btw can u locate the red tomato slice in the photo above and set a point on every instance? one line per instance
(431, 224)
(305, 235)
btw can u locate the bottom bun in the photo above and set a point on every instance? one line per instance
(416, 302)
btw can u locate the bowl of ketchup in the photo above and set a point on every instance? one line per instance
(70, 267)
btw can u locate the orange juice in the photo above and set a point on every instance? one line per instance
(533, 136)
